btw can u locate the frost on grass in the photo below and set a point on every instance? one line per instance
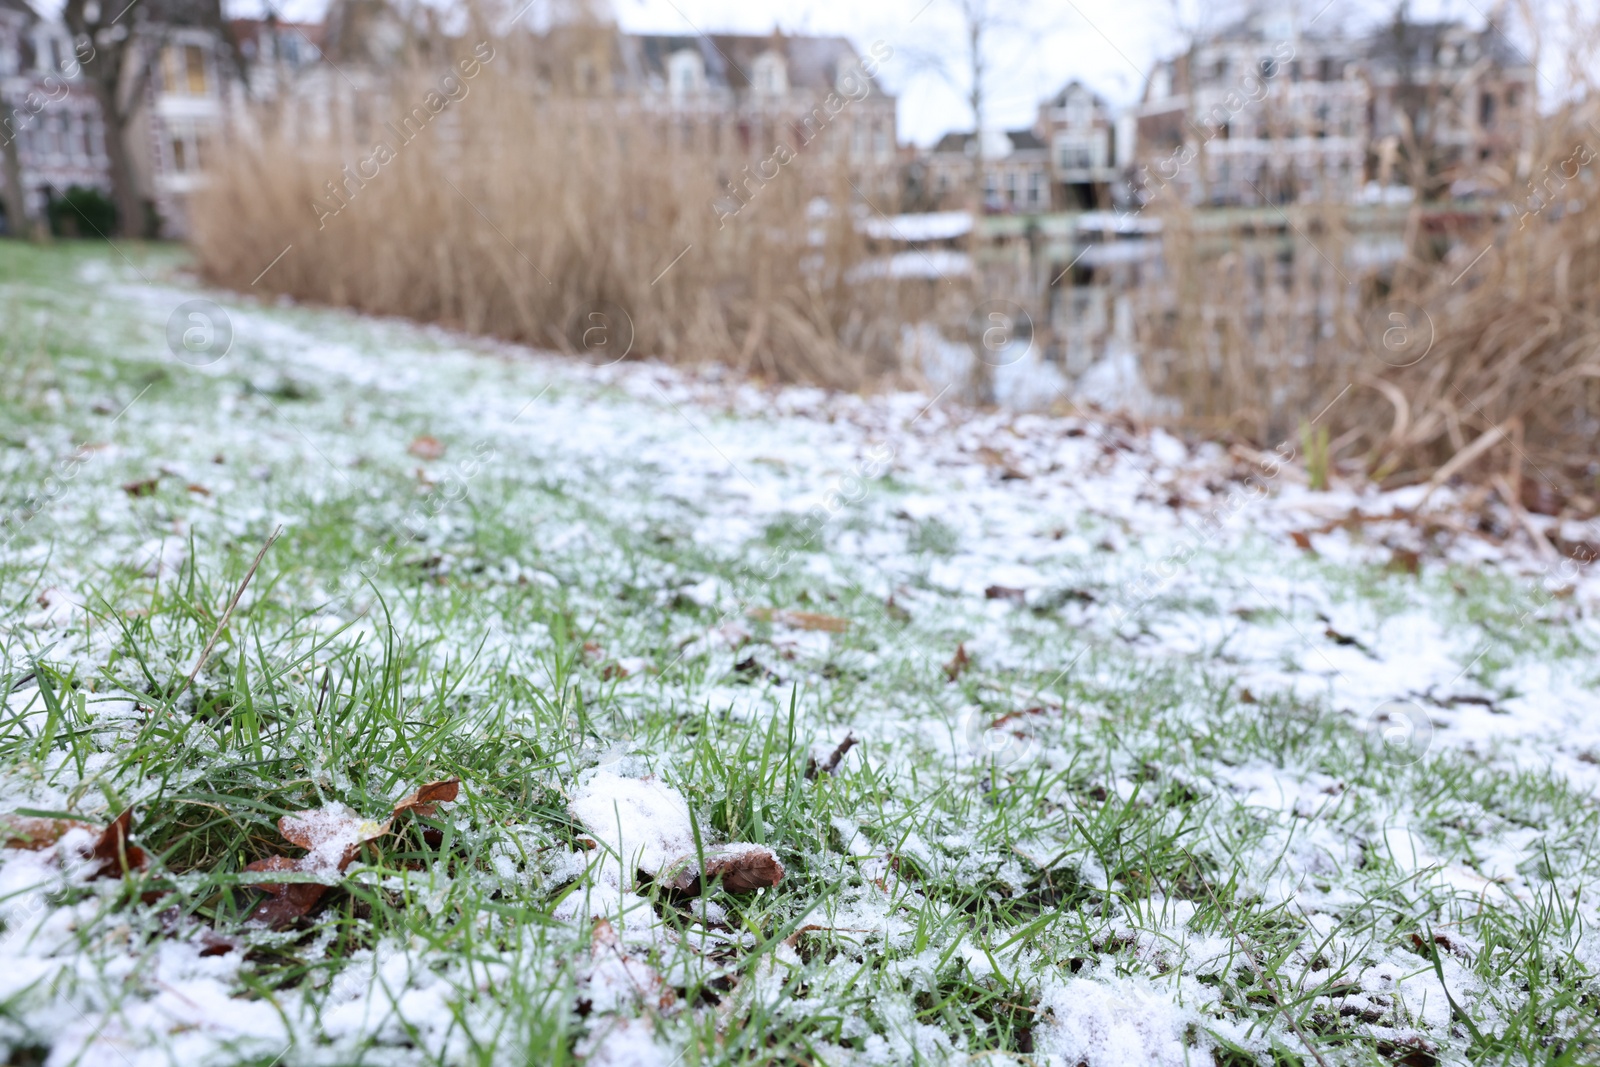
(643, 824)
(1114, 1021)
(1042, 733)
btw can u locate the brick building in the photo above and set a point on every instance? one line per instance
(1270, 110)
(182, 83)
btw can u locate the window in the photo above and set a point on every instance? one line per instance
(1083, 152)
(183, 70)
(188, 149)
(770, 75)
(686, 73)
(1080, 111)
(1036, 188)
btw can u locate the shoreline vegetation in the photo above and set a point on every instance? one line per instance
(552, 219)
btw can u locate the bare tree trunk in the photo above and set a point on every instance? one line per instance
(125, 192)
(17, 220)
(982, 384)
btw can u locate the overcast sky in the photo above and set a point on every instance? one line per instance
(1108, 44)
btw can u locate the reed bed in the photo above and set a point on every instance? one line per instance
(553, 217)
(1476, 354)
(558, 220)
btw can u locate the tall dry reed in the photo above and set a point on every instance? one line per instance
(1476, 352)
(558, 219)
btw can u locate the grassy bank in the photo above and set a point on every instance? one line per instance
(1161, 822)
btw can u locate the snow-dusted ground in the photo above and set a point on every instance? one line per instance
(1331, 756)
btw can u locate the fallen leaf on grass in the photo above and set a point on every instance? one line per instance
(427, 798)
(752, 670)
(111, 848)
(803, 620)
(143, 487)
(1542, 498)
(1302, 540)
(813, 768)
(1580, 550)
(1343, 640)
(332, 836)
(285, 901)
(1409, 1050)
(1405, 561)
(740, 868)
(33, 833)
(643, 824)
(958, 663)
(427, 447)
(1005, 592)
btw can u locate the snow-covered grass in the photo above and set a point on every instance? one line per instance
(1136, 777)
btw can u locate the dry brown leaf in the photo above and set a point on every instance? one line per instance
(332, 835)
(1005, 592)
(958, 663)
(1405, 561)
(811, 620)
(813, 768)
(992, 457)
(285, 901)
(1542, 498)
(33, 832)
(111, 847)
(741, 868)
(427, 447)
(143, 487)
(427, 797)
(802, 620)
